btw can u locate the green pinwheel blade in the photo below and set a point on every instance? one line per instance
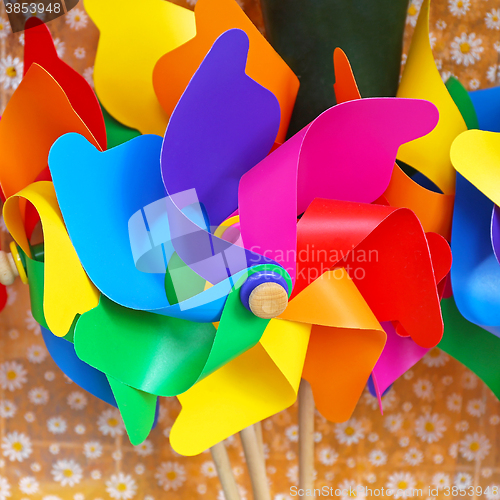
(35, 273)
(306, 32)
(474, 347)
(137, 409)
(116, 132)
(463, 101)
(162, 355)
(181, 282)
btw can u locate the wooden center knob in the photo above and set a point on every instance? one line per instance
(8, 269)
(268, 300)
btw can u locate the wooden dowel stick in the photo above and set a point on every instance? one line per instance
(255, 464)
(226, 476)
(260, 438)
(306, 436)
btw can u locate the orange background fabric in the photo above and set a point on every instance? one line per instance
(441, 424)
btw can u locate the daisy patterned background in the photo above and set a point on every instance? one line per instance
(441, 424)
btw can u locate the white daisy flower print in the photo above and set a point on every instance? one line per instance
(12, 375)
(454, 402)
(350, 432)
(11, 72)
(31, 323)
(414, 457)
(144, 449)
(423, 389)
(110, 423)
(466, 49)
(60, 47)
(404, 441)
(80, 429)
(487, 472)
(441, 480)
(401, 484)
(462, 426)
(474, 84)
(36, 354)
(29, 417)
(38, 396)
(7, 408)
(4, 488)
(459, 7)
(327, 455)
(88, 74)
(11, 295)
(441, 25)
(492, 492)
(435, 358)
(57, 425)
(462, 480)
(393, 422)
(92, 449)
(413, 11)
(76, 19)
(4, 27)
(170, 475)
(474, 447)
(77, 400)
(139, 469)
(220, 496)
(121, 486)
(432, 40)
(36, 467)
(494, 420)
(67, 472)
(21, 39)
(476, 407)
(453, 450)
(446, 75)
(430, 428)
(16, 446)
(208, 469)
(493, 73)
(349, 489)
(492, 19)
(292, 433)
(95, 474)
(29, 485)
(80, 52)
(377, 458)
(293, 474)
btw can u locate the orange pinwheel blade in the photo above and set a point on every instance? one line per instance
(38, 113)
(345, 86)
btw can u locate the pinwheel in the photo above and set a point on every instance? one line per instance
(472, 313)
(150, 242)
